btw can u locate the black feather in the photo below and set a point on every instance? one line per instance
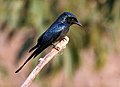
(56, 32)
(34, 54)
(33, 48)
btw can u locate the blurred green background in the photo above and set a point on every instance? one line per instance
(91, 58)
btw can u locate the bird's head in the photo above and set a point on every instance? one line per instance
(68, 18)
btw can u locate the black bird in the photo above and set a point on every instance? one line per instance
(56, 32)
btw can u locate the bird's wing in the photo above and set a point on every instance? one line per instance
(47, 37)
(51, 34)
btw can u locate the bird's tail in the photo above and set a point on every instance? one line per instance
(34, 54)
(24, 63)
(36, 46)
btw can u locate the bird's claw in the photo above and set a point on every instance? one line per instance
(57, 48)
(53, 45)
(64, 39)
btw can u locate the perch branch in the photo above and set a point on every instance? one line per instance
(44, 61)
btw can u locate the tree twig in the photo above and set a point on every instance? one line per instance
(44, 61)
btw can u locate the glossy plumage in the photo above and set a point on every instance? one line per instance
(56, 32)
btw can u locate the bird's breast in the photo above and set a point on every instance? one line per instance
(62, 34)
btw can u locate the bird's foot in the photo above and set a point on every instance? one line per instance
(55, 47)
(64, 39)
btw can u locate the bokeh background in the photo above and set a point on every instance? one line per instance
(91, 58)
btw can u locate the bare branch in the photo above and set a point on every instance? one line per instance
(44, 61)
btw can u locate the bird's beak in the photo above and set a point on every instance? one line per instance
(78, 23)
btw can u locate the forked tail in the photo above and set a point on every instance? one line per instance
(34, 54)
(24, 63)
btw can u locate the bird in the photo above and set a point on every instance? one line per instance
(56, 32)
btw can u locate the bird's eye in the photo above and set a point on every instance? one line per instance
(74, 19)
(71, 20)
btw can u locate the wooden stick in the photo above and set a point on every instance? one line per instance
(43, 61)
